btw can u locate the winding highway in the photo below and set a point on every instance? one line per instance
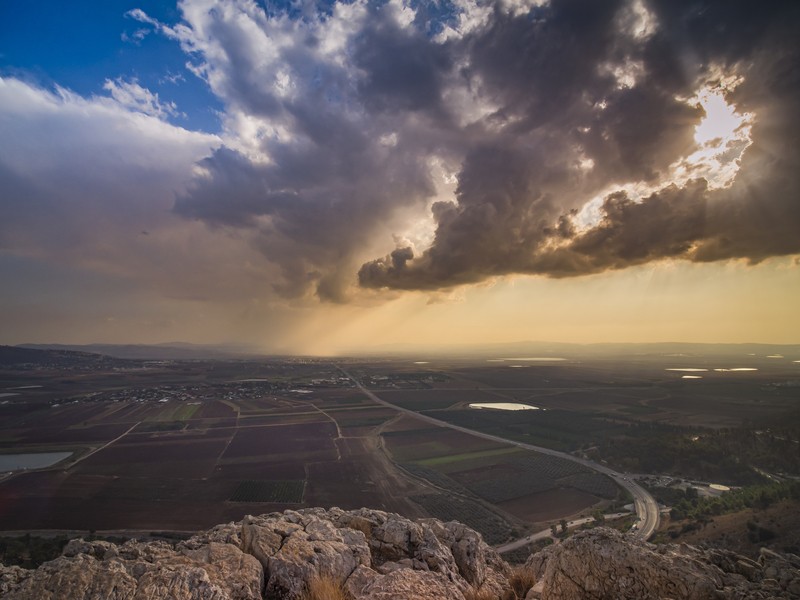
(645, 505)
(547, 533)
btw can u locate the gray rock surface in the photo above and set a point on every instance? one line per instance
(372, 554)
(602, 564)
(382, 556)
(406, 584)
(134, 570)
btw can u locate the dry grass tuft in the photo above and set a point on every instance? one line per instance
(521, 580)
(480, 594)
(326, 588)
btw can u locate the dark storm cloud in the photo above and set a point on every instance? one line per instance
(663, 225)
(542, 64)
(338, 122)
(567, 78)
(639, 133)
(312, 207)
(348, 153)
(403, 71)
(486, 231)
(733, 30)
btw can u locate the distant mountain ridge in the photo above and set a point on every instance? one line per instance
(188, 351)
(556, 349)
(166, 351)
(17, 355)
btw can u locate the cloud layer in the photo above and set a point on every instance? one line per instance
(597, 95)
(456, 143)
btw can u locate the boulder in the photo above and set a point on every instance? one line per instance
(375, 555)
(603, 564)
(296, 547)
(405, 584)
(103, 571)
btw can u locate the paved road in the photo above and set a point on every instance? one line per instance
(67, 465)
(103, 447)
(545, 533)
(645, 505)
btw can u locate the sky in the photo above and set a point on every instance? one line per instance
(328, 177)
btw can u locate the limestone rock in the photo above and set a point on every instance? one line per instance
(295, 547)
(383, 556)
(407, 584)
(369, 550)
(451, 549)
(11, 578)
(602, 564)
(374, 554)
(104, 571)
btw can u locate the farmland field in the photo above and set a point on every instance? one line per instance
(494, 528)
(549, 505)
(202, 443)
(477, 469)
(269, 491)
(184, 445)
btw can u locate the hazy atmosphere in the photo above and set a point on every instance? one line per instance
(343, 176)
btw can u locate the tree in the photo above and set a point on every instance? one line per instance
(563, 523)
(553, 530)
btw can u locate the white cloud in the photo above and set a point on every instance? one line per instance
(141, 16)
(133, 96)
(136, 37)
(82, 179)
(43, 129)
(172, 78)
(474, 14)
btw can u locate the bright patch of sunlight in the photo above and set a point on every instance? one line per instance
(721, 138)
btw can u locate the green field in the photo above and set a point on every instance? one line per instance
(465, 457)
(176, 411)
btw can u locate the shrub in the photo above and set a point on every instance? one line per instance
(521, 580)
(326, 588)
(480, 594)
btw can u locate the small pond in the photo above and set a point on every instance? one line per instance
(38, 460)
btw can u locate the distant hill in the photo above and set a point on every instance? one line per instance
(185, 351)
(568, 350)
(169, 351)
(19, 356)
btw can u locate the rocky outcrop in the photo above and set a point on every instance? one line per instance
(375, 555)
(602, 564)
(104, 571)
(372, 554)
